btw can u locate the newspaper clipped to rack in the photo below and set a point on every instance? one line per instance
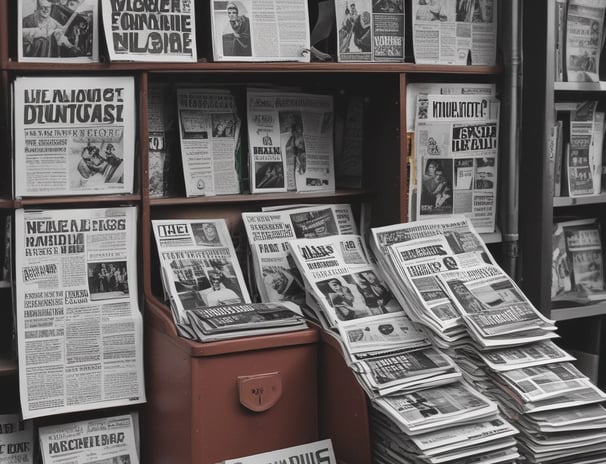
(248, 30)
(106, 440)
(79, 327)
(448, 32)
(370, 30)
(290, 138)
(199, 265)
(74, 135)
(456, 147)
(150, 31)
(268, 233)
(210, 141)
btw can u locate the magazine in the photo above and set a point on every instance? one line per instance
(210, 141)
(199, 265)
(370, 30)
(150, 31)
(290, 138)
(61, 32)
(103, 441)
(584, 39)
(246, 30)
(74, 135)
(80, 330)
(448, 32)
(581, 159)
(456, 147)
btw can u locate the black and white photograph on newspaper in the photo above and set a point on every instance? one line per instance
(293, 141)
(354, 30)
(312, 224)
(475, 11)
(58, 30)
(387, 6)
(345, 297)
(281, 284)
(269, 175)
(206, 234)
(107, 280)
(376, 294)
(436, 187)
(485, 173)
(97, 161)
(150, 31)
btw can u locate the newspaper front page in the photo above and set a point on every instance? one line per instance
(78, 322)
(276, 275)
(199, 265)
(580, 159)
(61, 32)
(318, 452)
(370, 30)
(16, 440)
(456, 147)
(210, 140)
(150, 31)
(74, 135)
(249, 30)
(584, 39)
(290, 137)
(454, 32)
(110, 440)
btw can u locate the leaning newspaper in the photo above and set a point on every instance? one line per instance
(276, 276)
(16, 440)
(449, 32)
(368, 32)
(210, 140)
(199, 265)
(456, 147)
(150, 31)
(105, 440)
(78, 321)
(74, 135)
(60, 32)
(247, 30)
(290, 137)
(580, 158)
(584, 39)
(319, 451)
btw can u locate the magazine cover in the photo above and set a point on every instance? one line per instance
(247, 30)
(74, 135)
(150, 31)
(61, 30)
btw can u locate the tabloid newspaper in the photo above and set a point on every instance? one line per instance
(290, 138)
(223, 322)
(370, 30)
(103, 441)
(74, 135)
(456, 146)
(275, 273)
(581, 158)
(16, 440)
(60, 32)
(584, 39)
(449, 32)
(210, 141)
(248, 30)
(150, 31)
(320, 452)
(199, 265)
(162, 144)
(80, 330)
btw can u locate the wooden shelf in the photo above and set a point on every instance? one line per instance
(40, 201)
(577, 312)
(258, 197)
(8, 366)
(580, 86)
(236, 67)
(585, 200)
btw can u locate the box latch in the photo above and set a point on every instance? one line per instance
(260, 392)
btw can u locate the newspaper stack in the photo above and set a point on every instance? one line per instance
(508, 354)
(415, 385)
(268, 232)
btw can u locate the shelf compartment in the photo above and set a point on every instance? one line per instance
(585, 200)
(580, 86)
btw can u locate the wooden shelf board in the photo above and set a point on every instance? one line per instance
(35, 201)
(240, 67)
(577, 312)
(258, 197)
(585, 200)
(580, 86)
(7, 366)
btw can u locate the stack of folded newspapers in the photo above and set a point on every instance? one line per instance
(450, 285)
(415, 388)
(204, 285)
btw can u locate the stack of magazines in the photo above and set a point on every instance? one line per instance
(203, 282)
(416, 389)
(447, 278)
